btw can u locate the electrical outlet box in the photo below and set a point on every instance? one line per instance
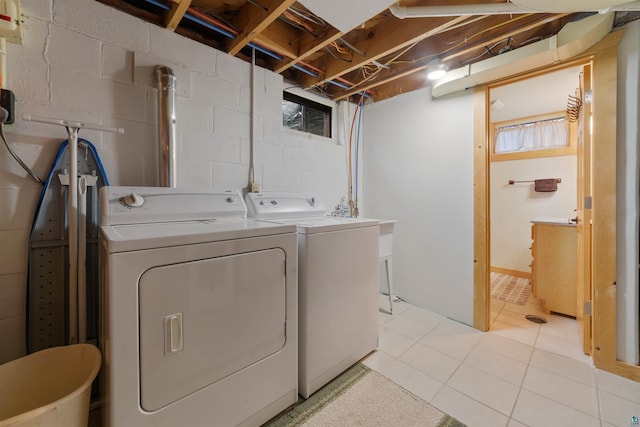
(11, 21)
(8, 102)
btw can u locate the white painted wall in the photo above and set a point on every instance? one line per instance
(628, 292)
(418, 158)
(84, 61)
(514, 206)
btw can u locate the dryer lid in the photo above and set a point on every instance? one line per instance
(134, 237)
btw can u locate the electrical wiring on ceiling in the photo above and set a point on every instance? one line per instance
(336, 56)
(304, 21)
(381, 65)
(371, 70)
(306, 15)
(339, 48)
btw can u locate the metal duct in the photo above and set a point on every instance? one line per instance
(167, 126)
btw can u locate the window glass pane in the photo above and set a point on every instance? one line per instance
(305, 115)
(315, 121)
(540, 135)
(292, 115)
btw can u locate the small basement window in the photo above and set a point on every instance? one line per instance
(541, 136)
(304, 115)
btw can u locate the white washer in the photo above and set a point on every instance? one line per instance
(199, 310)
(337, 284)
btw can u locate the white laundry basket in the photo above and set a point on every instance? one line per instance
(51, 387)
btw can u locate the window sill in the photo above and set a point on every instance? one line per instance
(534, 154)
(302, 134)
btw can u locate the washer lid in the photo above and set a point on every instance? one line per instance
(133, 237)
(327, 223)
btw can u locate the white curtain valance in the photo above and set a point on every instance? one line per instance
(532, 136)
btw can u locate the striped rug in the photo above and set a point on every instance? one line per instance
(511, 289)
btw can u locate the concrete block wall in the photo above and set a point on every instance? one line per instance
(84, 61)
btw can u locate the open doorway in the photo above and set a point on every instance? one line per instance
(598, 204)
(533, 171)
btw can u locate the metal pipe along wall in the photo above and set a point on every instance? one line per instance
(167, 126)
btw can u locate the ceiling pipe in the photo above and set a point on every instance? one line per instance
(511, 8)
(403, 12)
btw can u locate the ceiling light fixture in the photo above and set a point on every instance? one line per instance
(436, 70)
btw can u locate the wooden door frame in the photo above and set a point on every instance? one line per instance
(603, 55)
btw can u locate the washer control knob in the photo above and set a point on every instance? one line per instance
(230, 200)
(132, 200)
(312, 201)
(274, 202)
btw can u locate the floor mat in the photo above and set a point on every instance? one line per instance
(511, 289)
(363, 397)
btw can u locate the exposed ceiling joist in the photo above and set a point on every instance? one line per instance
(307, 46)
(382, 55)
(254, 20)
(386, 38)
(407, 68)
(174, 15)
(536, 20)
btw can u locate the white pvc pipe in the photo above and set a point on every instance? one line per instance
(82, 258)
(457, 10)
(3, 62)
(71, 124)
(72, 214)
(500, 9)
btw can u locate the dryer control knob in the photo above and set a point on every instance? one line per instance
(230, 200)
(132, 200)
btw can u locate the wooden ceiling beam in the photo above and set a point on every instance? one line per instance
(403, 70)
(173, 16)
(545, 19)
(398, 87)
(279, 38)
(384, 39)
(307, 46)
(253, 20)
(398, 74)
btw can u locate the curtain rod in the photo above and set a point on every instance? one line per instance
(533, 122)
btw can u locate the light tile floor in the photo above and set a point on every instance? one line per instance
(518, 374)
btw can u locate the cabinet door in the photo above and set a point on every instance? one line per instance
(555, 267)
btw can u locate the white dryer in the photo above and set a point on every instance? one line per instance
(199, 310)
(337, 284)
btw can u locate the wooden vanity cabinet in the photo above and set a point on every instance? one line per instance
(554, 266)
